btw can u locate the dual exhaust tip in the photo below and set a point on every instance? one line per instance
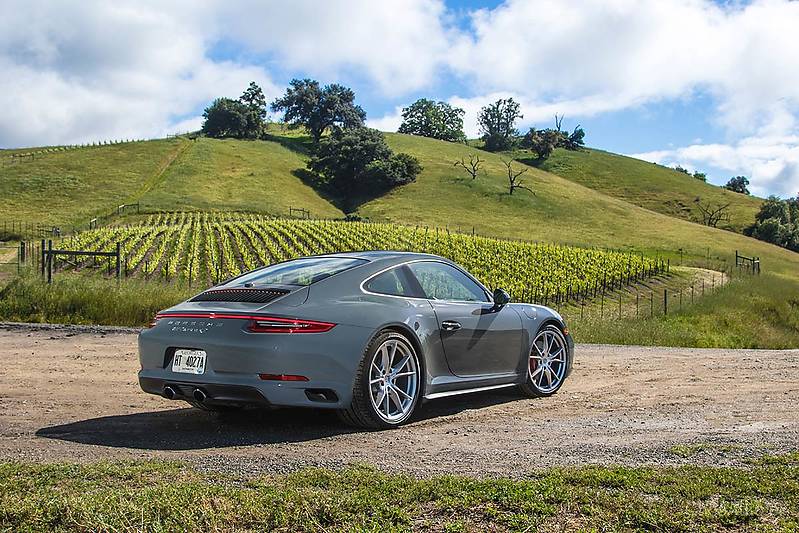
(170, 393)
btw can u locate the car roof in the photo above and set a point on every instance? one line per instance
(374, 255)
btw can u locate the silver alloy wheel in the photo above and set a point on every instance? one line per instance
(393, 380)
(547, 364)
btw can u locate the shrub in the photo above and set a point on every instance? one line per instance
(437, 120)
(225, 118)
(358, 162)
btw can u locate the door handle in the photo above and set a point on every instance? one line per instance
(450, 325)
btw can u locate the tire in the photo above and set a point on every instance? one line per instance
(402, 379)
(547, 363)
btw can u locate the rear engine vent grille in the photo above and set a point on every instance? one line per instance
(259, 296)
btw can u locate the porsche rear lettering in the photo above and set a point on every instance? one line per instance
(192, 326)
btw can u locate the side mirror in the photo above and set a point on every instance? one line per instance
(501, 297)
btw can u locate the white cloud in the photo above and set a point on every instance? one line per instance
(600, 56)
(536, 113)
(84, 71)
(388, 122)
(96, 70)
(606, 55)
(771, 163)
(398, 45)
(92, 70)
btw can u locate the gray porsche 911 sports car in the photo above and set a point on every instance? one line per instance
(371, 334)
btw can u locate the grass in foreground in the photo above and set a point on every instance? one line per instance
(75, 299)
(158, 496)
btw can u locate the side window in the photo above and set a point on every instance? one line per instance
(444, 282)
(392, 282)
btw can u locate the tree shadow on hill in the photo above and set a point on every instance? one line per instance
(320, 186)
(193, 429)
(346, 203)
(531, 161)
(300, 144)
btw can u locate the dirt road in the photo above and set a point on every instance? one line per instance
(69, 396)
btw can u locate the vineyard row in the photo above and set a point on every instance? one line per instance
(204, 248)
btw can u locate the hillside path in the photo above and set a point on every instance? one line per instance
(160, 172)
(71, 395)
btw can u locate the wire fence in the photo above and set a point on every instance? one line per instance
(659, 295)
(634, 294)
(29, 156)
(660, 298)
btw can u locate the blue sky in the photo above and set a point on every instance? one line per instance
(711, 86)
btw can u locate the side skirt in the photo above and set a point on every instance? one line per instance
(434, 395)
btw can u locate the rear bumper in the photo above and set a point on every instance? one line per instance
(217, 394)
(236, 358)
(243, 392)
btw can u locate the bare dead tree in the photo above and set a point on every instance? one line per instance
(713, 214)
(473, 166)
(514, 180)
(558, 122)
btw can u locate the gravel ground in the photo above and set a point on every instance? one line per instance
(70, 394)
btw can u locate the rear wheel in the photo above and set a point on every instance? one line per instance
(547, 363)
(387, 385)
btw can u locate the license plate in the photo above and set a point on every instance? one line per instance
(189, 361)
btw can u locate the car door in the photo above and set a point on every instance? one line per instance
(478, 338)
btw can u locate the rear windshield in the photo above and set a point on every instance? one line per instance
(300, 271)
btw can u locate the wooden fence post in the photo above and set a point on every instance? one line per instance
(602, 307)
(665, 302)
(49, 261)
(119, 265)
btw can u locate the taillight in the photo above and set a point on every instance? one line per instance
(153, 322)
(282, 377)
(268, 324)
(257, 323)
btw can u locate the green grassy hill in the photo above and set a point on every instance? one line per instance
(73, 186)
(266, 176)
(269, 176)
(237, 175)
(560, 210)
(648, 185)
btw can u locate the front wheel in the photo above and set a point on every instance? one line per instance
(387, 385)
(547, 363)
